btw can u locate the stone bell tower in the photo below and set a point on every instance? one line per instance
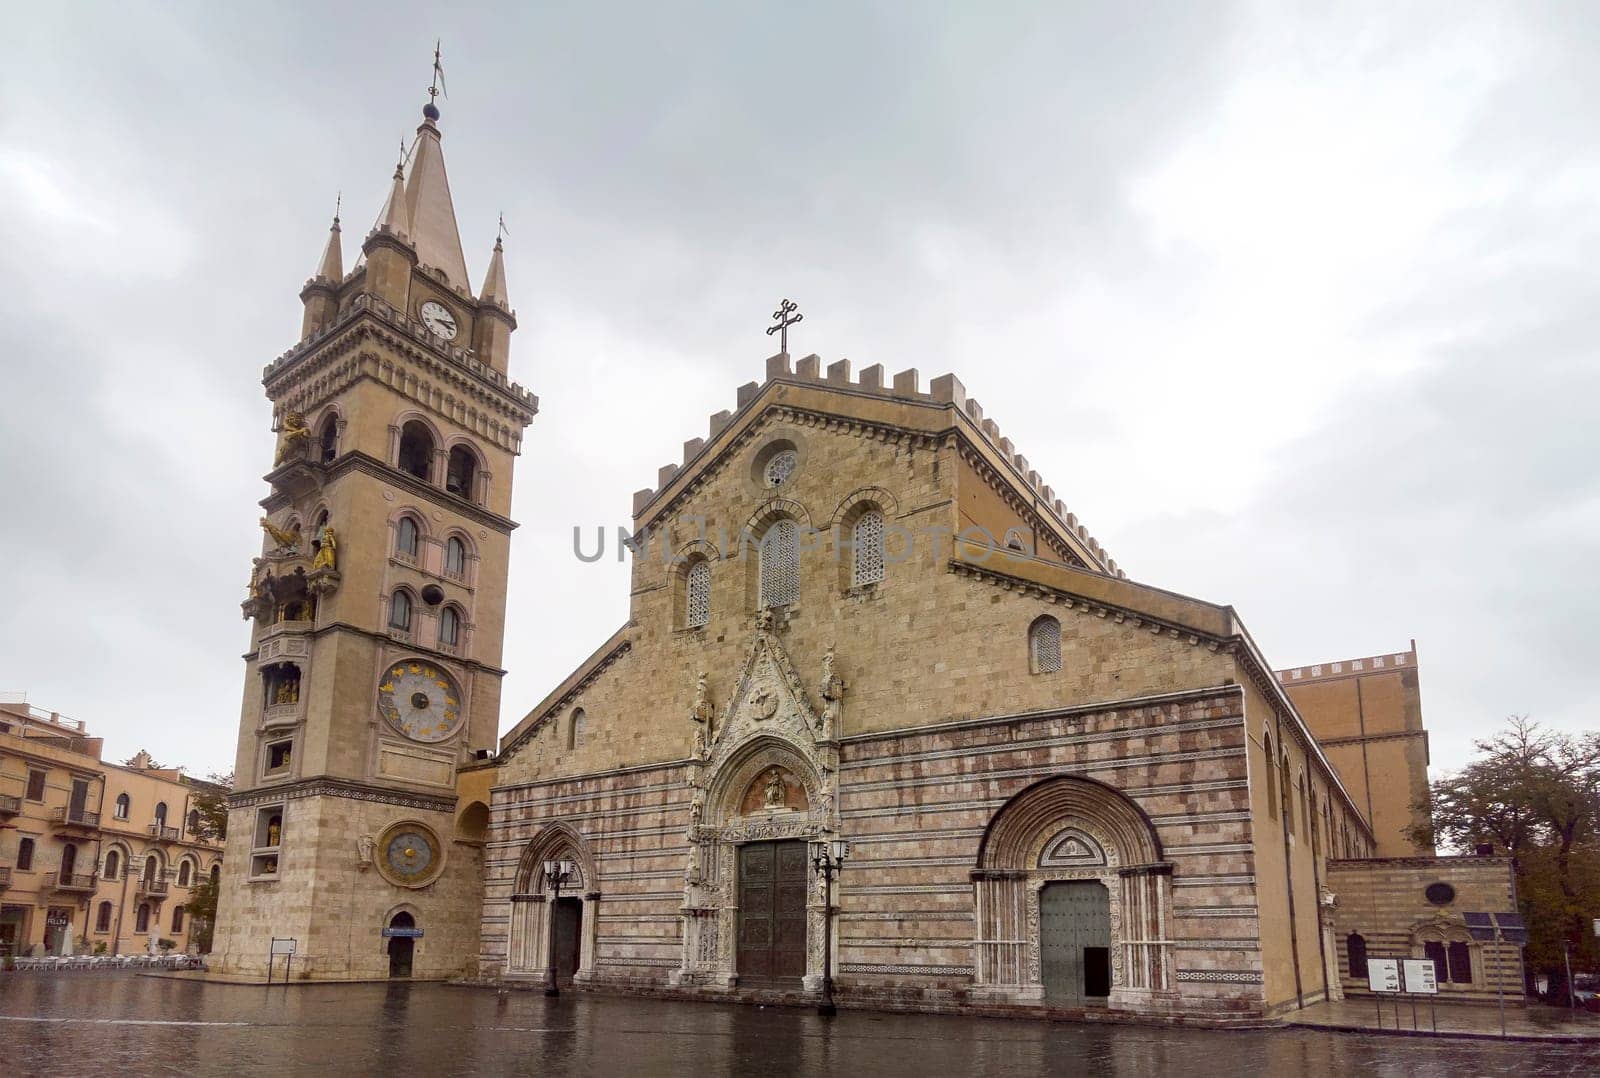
(377, 605)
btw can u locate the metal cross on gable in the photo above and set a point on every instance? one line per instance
(787, 314)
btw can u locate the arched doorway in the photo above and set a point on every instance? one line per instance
(401, 946)
(540, 918)
(569, 938)
(1073, 895)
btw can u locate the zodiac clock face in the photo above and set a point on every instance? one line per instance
(410, 854)
(420, 700)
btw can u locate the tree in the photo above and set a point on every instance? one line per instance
(1534, 795)
(211, 802)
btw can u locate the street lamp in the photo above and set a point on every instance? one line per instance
(556, 873)
(828, 857)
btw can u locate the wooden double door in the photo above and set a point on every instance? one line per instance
(773, 878)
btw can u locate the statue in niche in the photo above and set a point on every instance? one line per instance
(692, 874)
(700, 744)
(775, 796)
(703, 709)
(697, 809)
(296, 436)
(327, 556)
(832, 692)
(288, 691)
(288, 542)
(364, 848)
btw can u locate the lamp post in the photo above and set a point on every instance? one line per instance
(828, 857)
(556, 873)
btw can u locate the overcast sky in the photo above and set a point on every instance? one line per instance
(1296, 309)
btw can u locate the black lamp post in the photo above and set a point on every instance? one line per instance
(828, 857)
(556, 873)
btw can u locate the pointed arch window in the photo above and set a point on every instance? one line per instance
(400, 611)
(866, 541)
(455, 558)
(1271, 773)
(1044, 645)
(780, 564)
(1288, 789)
(124, 805)
(407, 538)
(697, 595)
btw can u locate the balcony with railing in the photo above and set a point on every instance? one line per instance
(68, 816)
(71, 881)
(10, 806)
(5, 877)
(152, 888)
(162, 832)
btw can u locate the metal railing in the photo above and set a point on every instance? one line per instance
(5, 877)
(72, 881)
(75, 817)
(163, 832)
(151, 887)
(9, 804)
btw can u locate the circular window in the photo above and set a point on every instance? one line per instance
(780, 468)
(1440, 894)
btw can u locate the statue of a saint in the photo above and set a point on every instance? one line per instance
(832, 692)
(288, 691)
(775, 797)
(327, 556)
(703, 709)
(364, 847)
(296, 435)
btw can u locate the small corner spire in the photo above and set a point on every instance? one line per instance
(332, 264)
(395, 217)
(494, 281)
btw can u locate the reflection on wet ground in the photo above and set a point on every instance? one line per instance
(122, 1023)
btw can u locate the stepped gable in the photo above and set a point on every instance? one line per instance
(945, 393)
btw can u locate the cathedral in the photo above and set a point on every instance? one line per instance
(884, 713)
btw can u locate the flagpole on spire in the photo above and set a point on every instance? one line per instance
(436, 87)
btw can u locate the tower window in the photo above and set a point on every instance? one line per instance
(328, 439)
(268, 841)
(697, 595)
(123, 806)
(449, 626)
(416, 450)
(1044, 645)
(867, 545)
(455, 558)
(279, 755)
(400, 612)
(407, 538)
(461, 475)
(780, 564)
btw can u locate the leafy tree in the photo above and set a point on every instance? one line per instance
(202, 908)
(1534, 795)
(211, 801)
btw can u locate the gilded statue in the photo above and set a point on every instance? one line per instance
(296, 435)
(288, 541)
(288, 691)
(327, 556)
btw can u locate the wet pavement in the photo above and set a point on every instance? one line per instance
(122, 1023)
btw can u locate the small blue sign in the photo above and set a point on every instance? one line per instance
(403, 933)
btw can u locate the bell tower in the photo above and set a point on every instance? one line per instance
(377, 605)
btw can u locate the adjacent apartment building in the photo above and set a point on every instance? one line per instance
(95, 857)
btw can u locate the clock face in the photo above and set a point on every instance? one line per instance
(410, 854)
(437, 317)
(421, 700)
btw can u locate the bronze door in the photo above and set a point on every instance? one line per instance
(1075, 941)
(772, 911)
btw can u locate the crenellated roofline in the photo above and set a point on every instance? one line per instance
(804, 393)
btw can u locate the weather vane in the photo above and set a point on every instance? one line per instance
(787, 314)
(436, 87)
(502, 230)
(338, 201)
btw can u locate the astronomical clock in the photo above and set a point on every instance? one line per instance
(420, 700)
(409, 854)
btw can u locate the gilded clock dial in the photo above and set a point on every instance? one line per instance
(410, 855)
(440, 322)
(420, 700)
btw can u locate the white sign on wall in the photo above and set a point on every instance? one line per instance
(1422, 976)
(281, 945)
(1383, 974)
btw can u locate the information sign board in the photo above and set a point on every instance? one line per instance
(282, 945)
(1383, 974)
(1422, 976)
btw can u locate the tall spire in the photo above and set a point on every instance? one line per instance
(494, 281)
(433, 215)
(396, 217)
(332, 264)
